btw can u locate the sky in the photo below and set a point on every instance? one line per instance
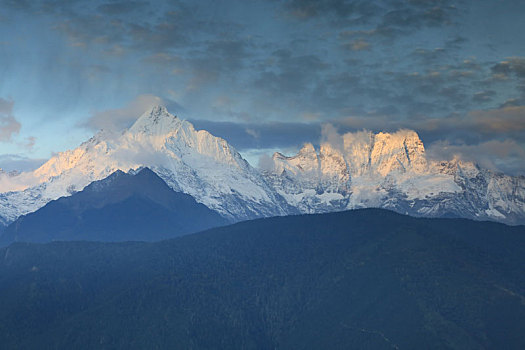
(266, 75)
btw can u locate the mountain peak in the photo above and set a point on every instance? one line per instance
(156, 111)
(156, 120)
(398, 137)
(307, 149)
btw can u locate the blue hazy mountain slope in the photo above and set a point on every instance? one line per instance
(121, 207)
(363, 279)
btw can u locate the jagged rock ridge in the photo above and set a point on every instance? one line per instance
(392, 171)
(386, 170)
(188, 160)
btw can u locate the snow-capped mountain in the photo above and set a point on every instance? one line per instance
(189, 161)
(392, 171)
(364, 170)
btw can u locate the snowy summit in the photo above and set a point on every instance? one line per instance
(387, 170)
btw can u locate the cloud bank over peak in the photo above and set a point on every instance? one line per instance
(119, 119)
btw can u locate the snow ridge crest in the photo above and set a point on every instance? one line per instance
(361, 169)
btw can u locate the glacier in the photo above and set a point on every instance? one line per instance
(383, 170)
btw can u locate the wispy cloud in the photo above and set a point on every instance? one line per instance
(502, 156)
(121, 118)
(16, 162)
(9, 125)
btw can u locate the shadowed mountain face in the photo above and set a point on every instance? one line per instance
(364, 279)
(118, 208)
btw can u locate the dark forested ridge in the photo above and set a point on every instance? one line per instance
(364, 279)
(121, 207)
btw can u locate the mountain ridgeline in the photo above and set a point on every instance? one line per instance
(361, 170)
(337, 279)
(122, 207)
(362, 279)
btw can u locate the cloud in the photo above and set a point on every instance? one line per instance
(16, 162)
(340, 9)
(424, 14)
(509, 119)
(8, 123)
(17, 181)
(513, 102)
(265, 162)
(380, 20)
(510, 66)
(358, 45)
(492, 138)
(499, 125)
(30, 142)
(121, 118)
(290, 81)
(140, 27)
(270, 135)
(507, 156)
(330, 135)
(17, 172)
(429, 56)
(484, 96)
(508, 122)
(501, 155)
(325, 61)
(121, 7)
(253, 133)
